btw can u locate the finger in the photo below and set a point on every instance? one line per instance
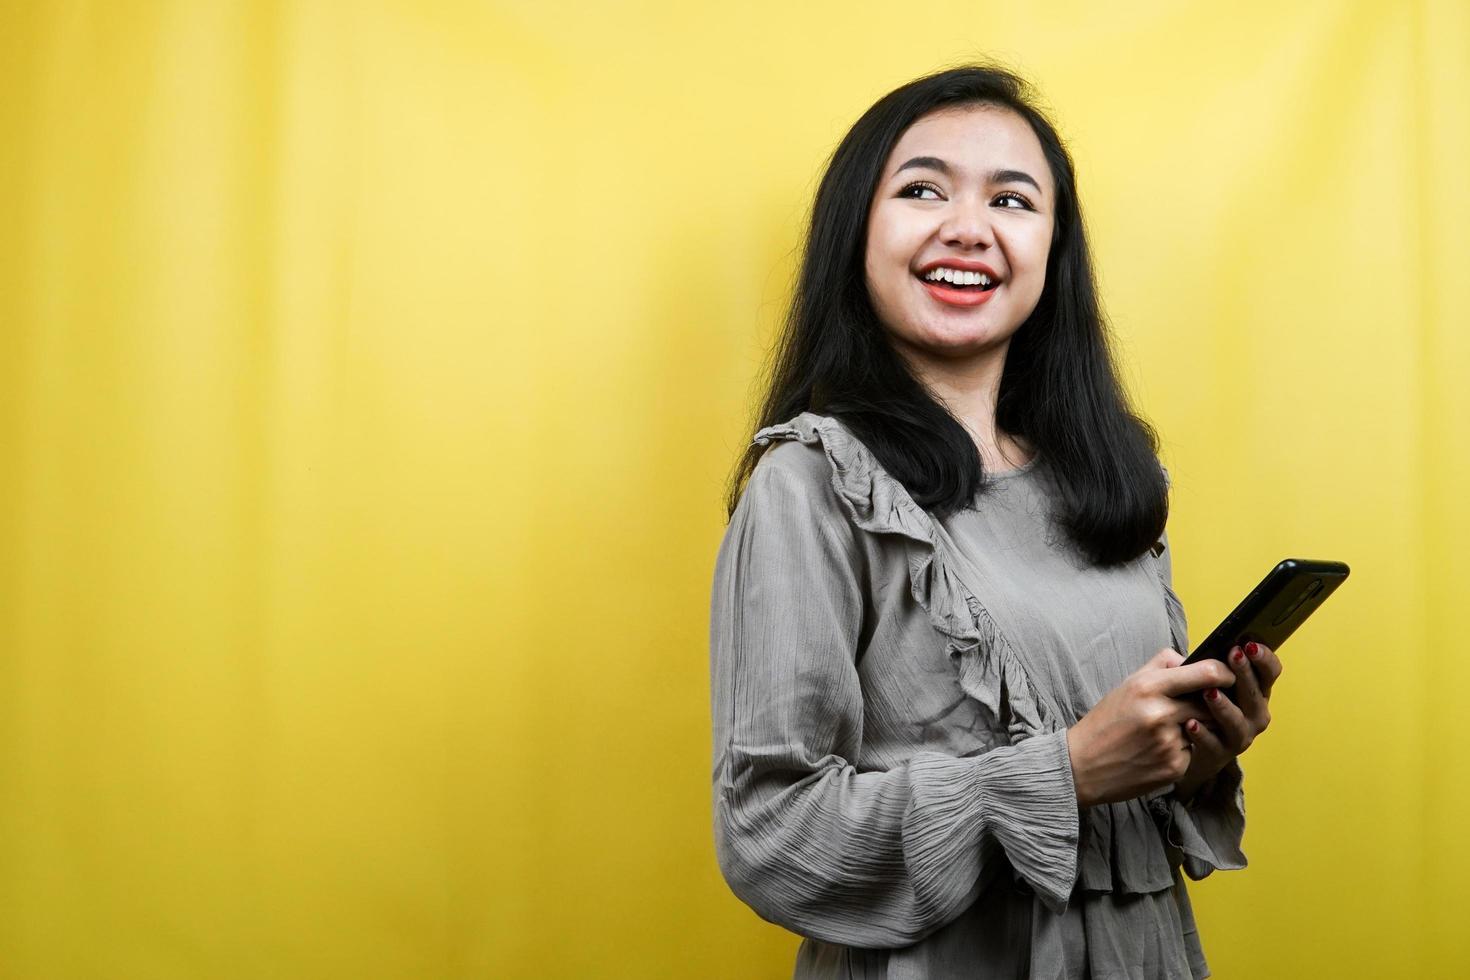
(1184, 710)
(1235, 729)
(1166, 658)
(1267, 665)
(1183, 749)
(1247, 694)
(1196, 677)
(1206, 741)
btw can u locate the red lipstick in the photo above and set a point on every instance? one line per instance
(951, 296)
(958, 297)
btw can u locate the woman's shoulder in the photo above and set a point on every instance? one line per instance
(825, 459)
(796, 462)
(805, 462)
(793, 501)
(822, 454)
(799, 444)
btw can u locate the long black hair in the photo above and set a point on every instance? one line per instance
(1059, 389)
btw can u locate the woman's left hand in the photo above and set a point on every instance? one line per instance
(1237, 722)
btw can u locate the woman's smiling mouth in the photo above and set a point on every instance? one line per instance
(959, 283)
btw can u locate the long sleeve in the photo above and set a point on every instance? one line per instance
(1206, 832)
(871, 859)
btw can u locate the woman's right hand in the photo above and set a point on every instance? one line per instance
(1133, 741)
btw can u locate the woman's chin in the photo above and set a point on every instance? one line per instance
(951, 342)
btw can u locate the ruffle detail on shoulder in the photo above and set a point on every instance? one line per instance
(989, 670)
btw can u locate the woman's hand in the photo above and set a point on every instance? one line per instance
(1133, 740)
(1235, 724)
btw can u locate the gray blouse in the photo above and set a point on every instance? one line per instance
(891, 695)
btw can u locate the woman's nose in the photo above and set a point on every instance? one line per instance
(967, 225)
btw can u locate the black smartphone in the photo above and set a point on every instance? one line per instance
(1288, 594)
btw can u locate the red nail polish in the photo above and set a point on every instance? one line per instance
(1252, 650)
(1212, 694)
(1238, 657)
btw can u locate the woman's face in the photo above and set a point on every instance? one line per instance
(966, 193)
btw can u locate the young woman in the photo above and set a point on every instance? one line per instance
(952, 735)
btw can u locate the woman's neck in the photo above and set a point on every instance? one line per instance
(969, 388)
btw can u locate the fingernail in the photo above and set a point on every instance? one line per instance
(1193, 726)
(1212, 694)
(1252, 650)
(1238, 657)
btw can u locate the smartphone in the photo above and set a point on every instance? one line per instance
(1288, 594)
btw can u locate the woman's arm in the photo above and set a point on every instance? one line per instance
(869, 859)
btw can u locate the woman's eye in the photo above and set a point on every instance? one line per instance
(1013, 196)
(925, 191)
(916, 190)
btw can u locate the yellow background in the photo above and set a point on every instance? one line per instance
(369, 375)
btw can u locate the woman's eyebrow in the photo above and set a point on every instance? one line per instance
(994, 177)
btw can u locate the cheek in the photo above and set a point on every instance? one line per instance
(1035, 252)
(892, 242)
(885, 261)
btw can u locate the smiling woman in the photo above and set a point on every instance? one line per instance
(952, 735)
(964, 190)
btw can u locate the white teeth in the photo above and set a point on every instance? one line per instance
(959, 277)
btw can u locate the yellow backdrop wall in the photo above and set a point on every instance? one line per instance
(369, 375)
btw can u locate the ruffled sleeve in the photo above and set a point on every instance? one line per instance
(875, 859)
(1206, 833)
